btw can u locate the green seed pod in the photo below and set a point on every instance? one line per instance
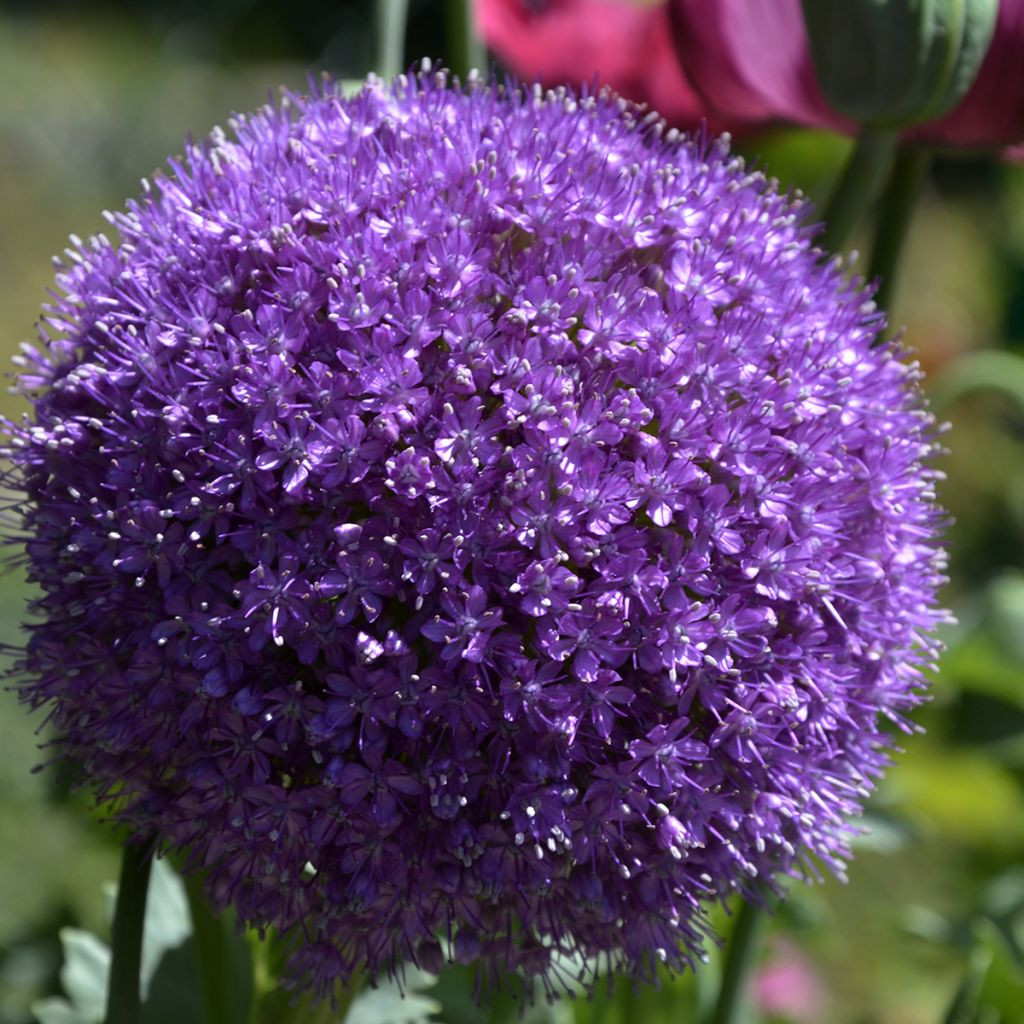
(897, 62)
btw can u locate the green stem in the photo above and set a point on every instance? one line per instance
(307, 1011)
(124, 1002)
(391, 20)
(894, 217)
(276, 1007)
(264, 975)
(739, 958)
(858, 184)
(347, 996)
(632, 1011)
(219, 1001)
(465, 48)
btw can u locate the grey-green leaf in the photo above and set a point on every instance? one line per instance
(168, 921)
(84, 979)
(56, 1011)
(85, 970)
(387, 1003)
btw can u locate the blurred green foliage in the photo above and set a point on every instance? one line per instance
(931, 923)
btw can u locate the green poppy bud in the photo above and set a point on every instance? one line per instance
(896, 62)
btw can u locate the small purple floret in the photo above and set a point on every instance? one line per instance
(474, 517)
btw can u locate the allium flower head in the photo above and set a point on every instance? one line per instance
(474, 520)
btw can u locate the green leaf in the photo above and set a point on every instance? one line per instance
(928, 924)
(84, 974)
(397, 1005)
(168, 922)
(169, 983)
(1003, 897)
(882, 834)
(57, 1011)
(507, 1008)
(967, 796)
(1006, 594)
(453, 989)
(992, 989)
(84, 978)
(173, 993)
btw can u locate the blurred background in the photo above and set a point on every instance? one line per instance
(94, 96)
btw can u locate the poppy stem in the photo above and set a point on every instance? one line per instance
(465, 49)
(739, 958)
(895, 214)
(392, 16)
(858, 184)
(124, 1000)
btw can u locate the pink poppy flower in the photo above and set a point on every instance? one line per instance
(750, 60)
(621, 43)
(743, 62)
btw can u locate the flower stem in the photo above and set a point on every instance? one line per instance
(894, 217)
(124, 1002)
(220, 1000)
(739, 958)
(869, 163)
(391, 21)
(465, 49)
(309, 1011)
(275, 1005)
(347, 996)
(269, 1001)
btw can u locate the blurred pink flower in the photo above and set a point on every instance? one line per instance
(750, 60)
(788, 986)
(743, 62)
(622, 43)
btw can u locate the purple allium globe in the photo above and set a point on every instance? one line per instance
(474, 516)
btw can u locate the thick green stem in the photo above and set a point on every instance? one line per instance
(465, 49)
(269, 1000)
(306, 1011)
(276, 1007)
(219, 1001)
(869, 163)
(391, 21)
(124, 1001)
(347, 996)
(632, 1011)
(894, 217)
(739, 958)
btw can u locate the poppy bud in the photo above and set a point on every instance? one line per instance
(897, 62)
